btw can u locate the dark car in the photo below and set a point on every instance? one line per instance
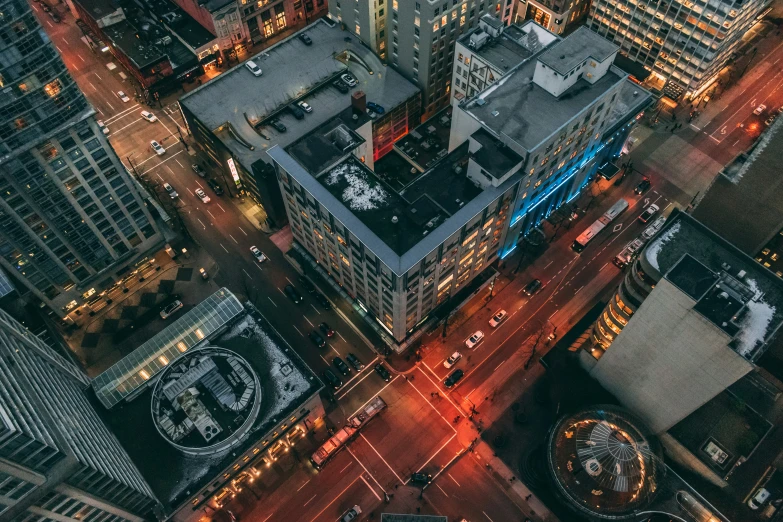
(198, 169)
(278, 125)
(291, 292)
(643, 186)
(317, 339)
(306, 39)
(532, 287)
(454, 378)
(56, 19)
(341, 366)
(332, 379)
(215, 186)
(340, 86)
(296, 111)
(374, 107)
(308, 286)
(322, 300)
(355, 362)
(325, 328)
(421, 478)
(383, 372)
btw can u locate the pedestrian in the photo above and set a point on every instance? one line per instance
(528, 497)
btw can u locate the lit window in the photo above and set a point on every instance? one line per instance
(163, 360)
(53, 88)
(199, 333)
(144, 374)
(394, 4)
(358, 29)
(182, 347)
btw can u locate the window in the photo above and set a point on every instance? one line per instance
(394, 4)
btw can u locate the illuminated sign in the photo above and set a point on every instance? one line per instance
(233, 169)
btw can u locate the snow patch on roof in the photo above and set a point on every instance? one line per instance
(755, 322)
(362, 193)
(655, 247)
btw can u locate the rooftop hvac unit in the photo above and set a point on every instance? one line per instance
(478, 39)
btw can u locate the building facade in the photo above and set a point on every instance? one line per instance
(683, 44)
(265, 19)
(70, 216)
(558, 16)
(57, 458)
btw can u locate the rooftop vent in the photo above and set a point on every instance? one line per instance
(495, 113)
(478, 39)
(741, 274)
(342, 139)
(481, 101)
(395, 219)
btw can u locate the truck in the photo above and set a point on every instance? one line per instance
(344, 435)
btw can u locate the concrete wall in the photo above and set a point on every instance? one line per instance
(669, 360)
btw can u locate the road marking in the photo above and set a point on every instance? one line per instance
(50, 24)
(159, 177)
(297, 329)
(366, 374)
(441, 489)
(361, 436)
(603, 266)
(314, 308)
(735, 143)
(498, 366)
(346, 467)
(485, 514)
(308, 320)
(205, 227)
(110, 105)
(180, 164)
(364, 468)
(374, 396)
(248, 275)
(66, 41)
(553, 314)
(221, 208)
(341, 336)
(199, 185)
(259, 267)
(96, 74)
(437, 386)
(695, 127)
(303, 485)
(57, 46)
(455, 480)
(433, 407)
(333, 501)
(439, 450)
(240, 228)
(547, 265)
(317, 495)
(334, 350)
(578, 290)
(371, 489)
(271, 300)
(80, 56)
(232, 237)
(121, 114)
(286, 278)
(224, 248)
(213, 217)
(158, 164)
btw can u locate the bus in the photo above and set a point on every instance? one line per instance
(601, 223)
(336, 442)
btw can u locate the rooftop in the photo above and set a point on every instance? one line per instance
(329, 142)
(248, 103)
(733, 290)
(493, 156)
(515, 44)
(181, 23)
(580, 45)
(429, 142)
(148, 48)
(284, 384)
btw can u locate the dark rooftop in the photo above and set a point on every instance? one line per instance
(493, 156)
(513, 46)
(99, 8)
(580, 45)
(145, 51)
(180, 22)
(429, 142)
(328, 143)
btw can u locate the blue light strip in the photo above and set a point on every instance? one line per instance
(504, 256)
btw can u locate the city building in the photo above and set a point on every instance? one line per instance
(558, 16)
(71, 219)
(58, 460)
(200, 40)
(221, 18)
(265, 19)
(207, 404)
(684, 45)
(416, 38)
(402, 241)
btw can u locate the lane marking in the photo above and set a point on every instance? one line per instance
(485, 514)
(371, 489)
(248, 275)
(441, 489)
(433, 407)
(221, 208)
(498, 366)
(333, 501)
(366, 374)
(361, 436)
(205, 227)
(343, 338)
(224, 248)
(308, 320)
(213, 217)
(313, 498)
(180, 164)
(240, 228)
(346, 467)
(314, 308)
(364, 468)
(271, 300)
(303, 485)
(455, 480)
(297, 329)
(374, 396)
(439, 450)
(232, 237)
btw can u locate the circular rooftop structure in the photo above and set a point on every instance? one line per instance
(605, 462)
(206, 401)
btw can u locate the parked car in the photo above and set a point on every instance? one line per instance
(306, 39)
(352, 514)
(770, 120)
(758, 500)
(200, 194)
(349, 80)
(759, 109)
(532, 287)
(213, 183)
(648, 213)
(296, 111)
(122, 96)
(278, 125)
(305, 106)
(157, 148)
(341, 366)
(355, 362)
(253, 68)
(203, 272)
(169, 310)
(498, 318)
(103, 127)
(170, 191)
(340, 86)
(374, 107)
(326, 329)
(56, 19)
(381, 370)
(199, 170)
(454, 378)
(332, 379)
(293, 294)
(260, 257)
(317, 339)
(420, 478)
(475, 339)
(643, 186)
(452, 360)
(322, 300)
(308, 286)
(149, 116)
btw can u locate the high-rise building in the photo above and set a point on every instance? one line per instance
(70, 216)
(417, 38)
(684, 45)
(558, 16)
(58, 461)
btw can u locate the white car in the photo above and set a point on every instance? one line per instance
(260, 257)
(103, 127)
(170, 309)
(498, 318)
(157, 148)
(758, 500)
(170, 191)
(349, 80)
(148, 116)
(452, 360)
(124, 97)
(305, 106)
(474, 339)
(253, 68)
(761, 108)
(200, 194)
(351, 514)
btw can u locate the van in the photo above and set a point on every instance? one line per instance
(758, 500)
(253, 68)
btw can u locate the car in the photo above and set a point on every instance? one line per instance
(200, 194)
(420, 478)
(454, 378)
(103, 127)
(253, 68)
(199, 170)
(305, 39)
(759, 109)
(498, 318)
(452, 360)
(293, 294)
(341, 366)
(349, 80)
(203, 272)
(260, 257)
(532, 287)
(326, 329)
(351, 514)
(296, 111)
(56, 19)
(758, 500)
(149, 116)
(157, 148)
(475, 339)
(170, 191)
(278, 125)
(340, 86)
(770, 120)
(374, 107)
(215, 186)
(332, 379)
(355, 362)
(322, 300)
(381, 370)
(46, 8)
(317, 339)
(308, 286)
(124, 97)
(169, 309)
(305, 106)
(648, 213)
(643, 186)
(653, 229)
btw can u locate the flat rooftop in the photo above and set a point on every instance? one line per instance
(285, 384)
(248, 103)
(144, 51)
(685, 252)
(493, 156)
(579, 46)
(181, 23)
(513, 46)
(329, 142)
